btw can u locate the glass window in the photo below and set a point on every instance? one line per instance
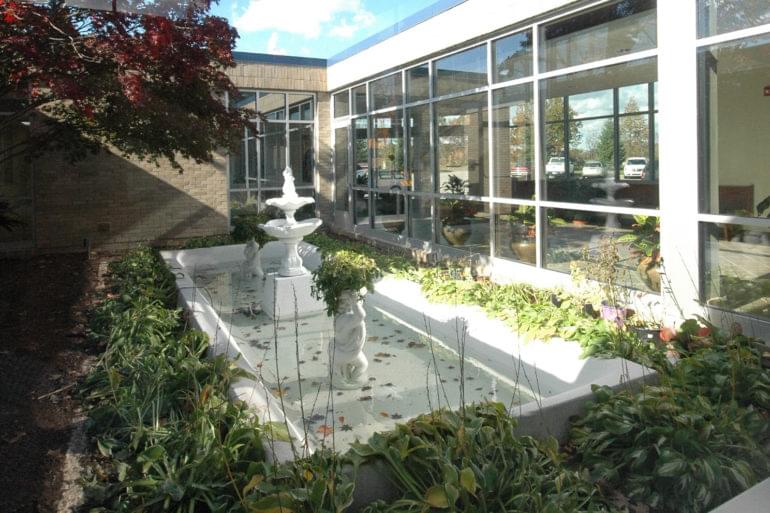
(419, 150)
(301, 153)
(359, 99)
(361, 207)
(301, 107)
(589, 240)
(617, 29)
(272, 105)
(735, 271)
(461, 71)
(598, 146)
(513, 141)
(238, 167)
(735, 121)
(421, 218)
(387, 145)
(417, 83)
(390, 213)
(361, 152)
(512, 56)
(461, 125)
(342, 104)
(244, 100)
(464, 224)
(272, 148)
(341, 167)
(515, 233)
(720, 16)
(386, 92)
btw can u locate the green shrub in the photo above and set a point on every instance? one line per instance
(671, 449)
(246, 227)
(208, 241)
(472, 461)
(340, 271)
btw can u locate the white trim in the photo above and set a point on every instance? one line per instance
(756, 222)
(727, 37)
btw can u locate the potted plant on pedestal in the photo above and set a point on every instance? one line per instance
(455, 213)
(523, 231)
(645, 243)
(341, 281)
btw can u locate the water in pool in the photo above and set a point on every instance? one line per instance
(409, 372)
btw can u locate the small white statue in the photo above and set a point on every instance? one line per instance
(252, 263)
(288, 184)
(350, 363)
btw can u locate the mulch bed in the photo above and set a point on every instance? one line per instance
(43, 348)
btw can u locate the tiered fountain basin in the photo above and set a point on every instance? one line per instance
(412, 349)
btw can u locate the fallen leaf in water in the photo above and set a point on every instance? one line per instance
(396, 416)
(365, 388)
(341, 419)
(365, 398)
(378, 360)
(372, 339)
(415, 344)
(384, 414)
(325, 430)
(383, 355)
(346, 427)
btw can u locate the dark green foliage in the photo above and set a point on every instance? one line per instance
(246, 227)
(473, 461)
(691, 443)
(340, 271)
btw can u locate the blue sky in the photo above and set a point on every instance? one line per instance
(311, 28)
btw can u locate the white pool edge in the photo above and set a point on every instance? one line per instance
(547, 416)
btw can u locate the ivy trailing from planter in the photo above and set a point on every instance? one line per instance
(340, 271)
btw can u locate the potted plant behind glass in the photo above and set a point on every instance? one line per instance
(523, 231)
(456, 213)
(645, 243)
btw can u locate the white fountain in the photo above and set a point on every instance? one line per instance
(292, 280)
(610, 187)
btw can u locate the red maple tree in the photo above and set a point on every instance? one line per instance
(146, 77)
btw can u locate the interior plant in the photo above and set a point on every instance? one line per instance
(645, 243)
(523, 230)
(456, 213)
(342, 271)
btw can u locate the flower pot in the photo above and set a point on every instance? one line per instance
(456, 234)
(649, 271)
(616, 314)
(525, 250)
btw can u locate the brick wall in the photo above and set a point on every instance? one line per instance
(112, 203)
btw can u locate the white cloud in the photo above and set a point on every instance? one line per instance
(304, 17)
(272, 45)
(346, 28)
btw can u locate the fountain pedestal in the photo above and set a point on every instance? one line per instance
(287, 293)
(279, 294)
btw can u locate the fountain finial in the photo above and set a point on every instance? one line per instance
(288, 184)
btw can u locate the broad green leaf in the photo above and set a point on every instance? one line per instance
(436, 497)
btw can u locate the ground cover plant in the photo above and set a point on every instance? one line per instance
(472, 461)
(692, 442)
(168, 437)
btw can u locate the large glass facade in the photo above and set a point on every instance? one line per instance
(734, 118)
(286, 136)
(598, 128)
(470, 159)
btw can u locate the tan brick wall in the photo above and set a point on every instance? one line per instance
(113, 203)
(280, 77)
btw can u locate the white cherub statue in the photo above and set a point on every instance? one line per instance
(350, 363)
(288, 184)
(252, 265)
